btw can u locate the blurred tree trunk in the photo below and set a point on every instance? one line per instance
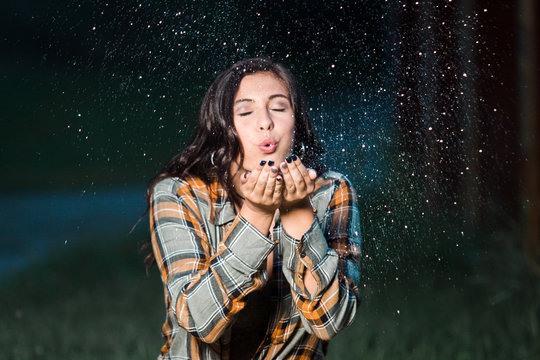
(429, 87)
(428, 106)
(528, 62)
(469, 116)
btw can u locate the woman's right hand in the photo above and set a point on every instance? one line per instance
(262, 188)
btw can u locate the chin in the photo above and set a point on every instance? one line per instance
(277, 158)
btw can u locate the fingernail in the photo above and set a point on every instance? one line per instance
(270, 163)
(294, 157)
(288, 159)
(283, 165)
(274, 170)
(262, 162)
(278, 178)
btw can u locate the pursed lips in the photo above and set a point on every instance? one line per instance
(268, 146)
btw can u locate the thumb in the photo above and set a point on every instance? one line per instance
(312, 174)
(245, 177)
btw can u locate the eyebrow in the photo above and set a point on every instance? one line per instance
(270, 98)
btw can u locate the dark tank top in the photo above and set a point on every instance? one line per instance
(249, 330)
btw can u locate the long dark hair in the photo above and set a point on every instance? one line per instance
(215, 144)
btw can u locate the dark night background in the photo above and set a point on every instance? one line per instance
(430, 108)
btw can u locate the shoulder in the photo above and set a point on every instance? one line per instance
(331, 181)
(333, 175)
(186, 186)
(331, 187)
(189, 192)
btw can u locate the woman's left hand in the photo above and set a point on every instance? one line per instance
(298, 182)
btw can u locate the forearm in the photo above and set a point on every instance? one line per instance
(195, 275)
(325, 298)
(197, 292)
(332, 312)
(296, 222)
(323, 294)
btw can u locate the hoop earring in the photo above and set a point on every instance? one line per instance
(212, 158)
(302, 150)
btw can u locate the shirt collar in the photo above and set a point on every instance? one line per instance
(222, 209)
(224, 213)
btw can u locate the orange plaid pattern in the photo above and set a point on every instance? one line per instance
(210, 259)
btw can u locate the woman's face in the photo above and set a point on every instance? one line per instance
(263, 118)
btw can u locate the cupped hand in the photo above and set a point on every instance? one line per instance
(262, 189)
(298, 182)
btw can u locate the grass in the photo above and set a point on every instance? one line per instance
(94, 301)
(405, 322)
(485, 306)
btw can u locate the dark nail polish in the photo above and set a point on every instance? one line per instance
(270, 163)
(278, 178)
(262, 162)
(288, 159)
(294, 157)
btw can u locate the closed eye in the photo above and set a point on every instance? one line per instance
(281, 110)
(245, 113)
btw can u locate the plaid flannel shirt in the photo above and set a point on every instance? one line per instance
(210, 258)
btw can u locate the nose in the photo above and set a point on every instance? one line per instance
(265, 121)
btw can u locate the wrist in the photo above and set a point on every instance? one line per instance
(303, 204)
(297, 219)
(260, 218)
(252, 209)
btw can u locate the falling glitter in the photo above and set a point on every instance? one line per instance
(389, 86)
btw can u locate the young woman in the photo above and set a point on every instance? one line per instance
(258, 247)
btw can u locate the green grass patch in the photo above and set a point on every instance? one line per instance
(94, 301)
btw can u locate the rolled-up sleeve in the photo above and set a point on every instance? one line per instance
(206, 287)
(331, 250)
